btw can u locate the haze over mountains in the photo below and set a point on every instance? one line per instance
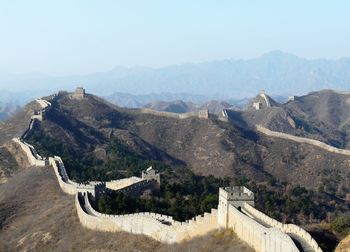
(276, 71)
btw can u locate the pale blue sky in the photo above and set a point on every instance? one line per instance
(77, 37)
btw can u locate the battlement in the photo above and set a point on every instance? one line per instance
(236, 196)
(236, 193)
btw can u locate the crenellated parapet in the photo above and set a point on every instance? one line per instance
(256, 235)
(263, 233)
(160, 227)
(305, 239)
(33, 157)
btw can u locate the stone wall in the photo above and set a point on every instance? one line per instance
(267, 101)
(295, 231)
(62, 180)
(134, 189)
(223, 116)
(160, 227)
(33, 157)
(120, 183)
(198, 226)
(69, 186)
(43, 103)
(30, 127)
(302, 140)
(260, 238)
(140, 223)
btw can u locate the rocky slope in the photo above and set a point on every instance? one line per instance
(322, 115)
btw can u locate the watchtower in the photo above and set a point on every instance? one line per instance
(257, 105)
(79, 93)
(235, 196)
(151, 174)
(203, 114)
(291, 98)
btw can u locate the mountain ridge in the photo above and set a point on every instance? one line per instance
(84, 131)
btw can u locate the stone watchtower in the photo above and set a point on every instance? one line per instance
(203, 114)
(79, 93)
(151, 174)
(235, 196)
(257, 105)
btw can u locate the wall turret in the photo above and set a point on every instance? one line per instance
(151, 174)
(236, 196)
(79, 93)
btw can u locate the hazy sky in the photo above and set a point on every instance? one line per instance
(77, 37)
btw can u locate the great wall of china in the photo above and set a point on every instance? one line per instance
(302, 140)
(235, 209)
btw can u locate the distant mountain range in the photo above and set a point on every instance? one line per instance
(214, 107)
(276, 72)
(138, 101)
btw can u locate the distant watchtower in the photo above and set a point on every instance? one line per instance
(79, 93)
(203, 114)
(257, 105)
(291, 98)
(151, 174)
(235, 196)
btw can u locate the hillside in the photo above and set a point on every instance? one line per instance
(100, 141)
(321, 115)
(205, 146)
(37, 216)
